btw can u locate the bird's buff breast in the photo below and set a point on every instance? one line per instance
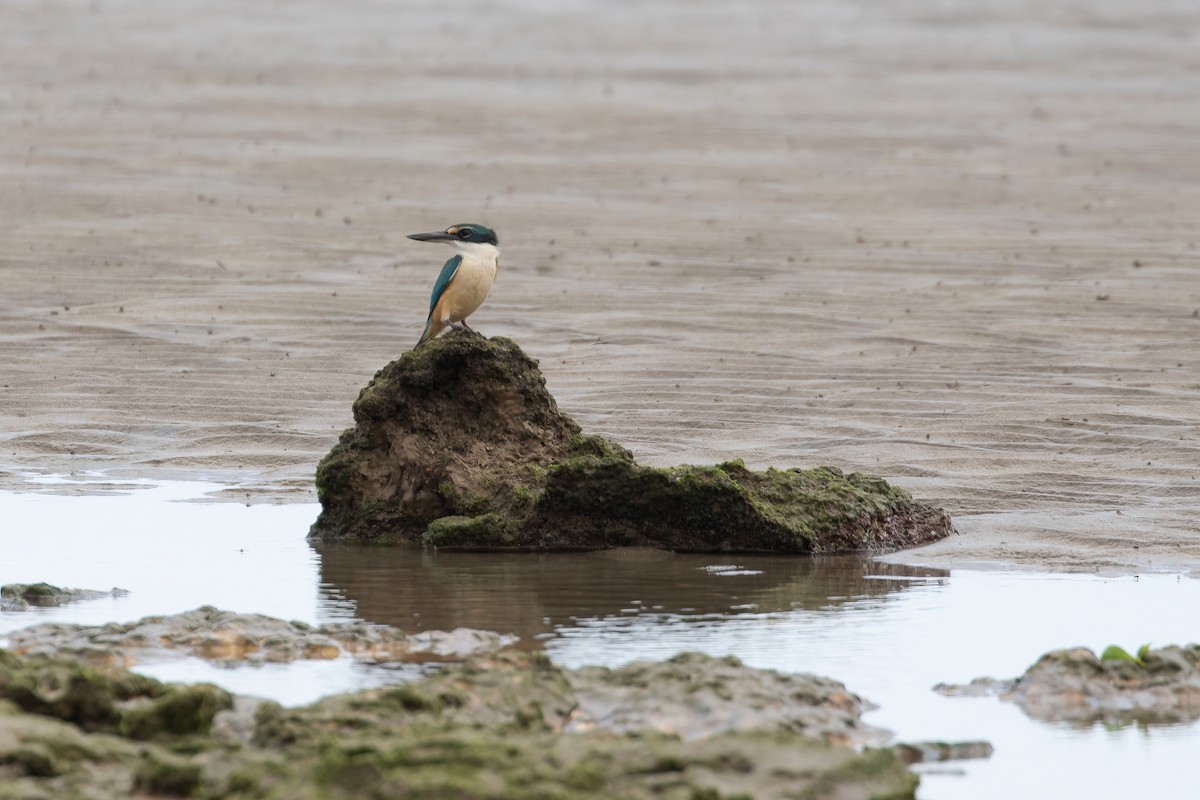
(470, 287)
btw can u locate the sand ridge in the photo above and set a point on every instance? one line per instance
(950, 244)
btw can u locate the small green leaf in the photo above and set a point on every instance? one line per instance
(1117, 653)
(1114, 652)
(1143, 651)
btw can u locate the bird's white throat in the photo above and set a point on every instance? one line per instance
(482, 251)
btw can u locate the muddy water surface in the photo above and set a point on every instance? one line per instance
(889, 632)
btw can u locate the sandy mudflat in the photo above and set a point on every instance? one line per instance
(950, 243)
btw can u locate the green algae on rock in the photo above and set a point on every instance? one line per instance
(694, 696)
(494, 728)
(459, 444)
(99, 698)
(1077, 687)
(20, 596)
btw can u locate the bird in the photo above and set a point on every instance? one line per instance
(466, 278)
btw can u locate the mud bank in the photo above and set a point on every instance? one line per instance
(494, 727)
(459, 444)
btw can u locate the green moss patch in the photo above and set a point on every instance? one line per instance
(107, 698)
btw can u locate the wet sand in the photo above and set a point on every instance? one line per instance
(953, 245)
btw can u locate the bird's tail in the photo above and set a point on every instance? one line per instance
(428, 333)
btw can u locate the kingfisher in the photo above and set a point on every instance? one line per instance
(466, 278)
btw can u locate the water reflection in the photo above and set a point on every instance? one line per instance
(534, 595)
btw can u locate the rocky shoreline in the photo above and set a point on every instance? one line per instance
(500, 724)
(490, 721)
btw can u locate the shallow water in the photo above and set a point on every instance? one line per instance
(889, 632)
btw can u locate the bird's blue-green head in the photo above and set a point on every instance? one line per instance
(468, 234)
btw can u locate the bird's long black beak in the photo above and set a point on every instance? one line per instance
(435, 236)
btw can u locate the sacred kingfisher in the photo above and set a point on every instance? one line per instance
(466, 278)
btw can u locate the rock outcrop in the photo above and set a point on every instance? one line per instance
(459, 444)
(505, 725)
(21, 596)
(229, 637)
(1077, 686)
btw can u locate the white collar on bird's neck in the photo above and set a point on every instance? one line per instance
(483, 251)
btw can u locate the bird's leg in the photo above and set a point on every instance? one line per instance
(469, 329)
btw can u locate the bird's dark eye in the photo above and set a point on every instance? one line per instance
(464, 233)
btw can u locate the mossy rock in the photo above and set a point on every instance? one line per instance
(491, 729)
(19, 596)
(494, 728)
(163, 774)
(459, 444)
(176, 711)
(489, 530)
(31, 591)
(109, 699)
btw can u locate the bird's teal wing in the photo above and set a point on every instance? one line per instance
(443, 281)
